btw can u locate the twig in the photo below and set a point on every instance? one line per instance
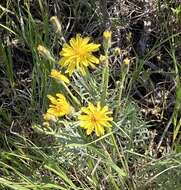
(164, 133)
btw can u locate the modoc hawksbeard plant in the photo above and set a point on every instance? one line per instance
(86, 113)
(83, 103)
(77, 55)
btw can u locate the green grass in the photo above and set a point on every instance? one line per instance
(131, 155)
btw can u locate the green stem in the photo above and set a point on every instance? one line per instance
(123, 161)
(105, 80)
(121, 155)
(109, 170)
(120, 88)
(74, 99)
(90, 83)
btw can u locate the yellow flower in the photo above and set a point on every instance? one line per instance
(78, 54)
(107, 35)
(95, 118)
(58, 76)
(59, 107)
(126, 61)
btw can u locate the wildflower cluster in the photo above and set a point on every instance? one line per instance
(77, 56)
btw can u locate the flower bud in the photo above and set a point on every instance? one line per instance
(117, 51)
(107, 35)
(45, 53)
(103, 58)
(56, 24)
(46, 124)
(126, 61)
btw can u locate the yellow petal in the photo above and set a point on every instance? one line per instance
(90, 129)
(99, 130)
(52, 99)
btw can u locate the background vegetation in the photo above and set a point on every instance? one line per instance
(145, 151)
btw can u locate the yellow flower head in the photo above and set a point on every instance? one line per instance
(58, 76)
(107, 35)
(95, 118)
(58, 107)
(78, 54)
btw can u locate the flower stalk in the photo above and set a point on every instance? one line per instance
(105, 74)
(76, 102)
(105, 81)
(125, 69)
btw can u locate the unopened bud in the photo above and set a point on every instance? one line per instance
(103, 58)
(107, 35)
(126, 61)
(56, 24)
(45, 53)
(46, 124)
(117, 51)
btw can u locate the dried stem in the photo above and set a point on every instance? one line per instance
(105, 14)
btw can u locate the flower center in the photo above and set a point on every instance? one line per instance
(80, 52)
(58, 108)
(94, 119)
